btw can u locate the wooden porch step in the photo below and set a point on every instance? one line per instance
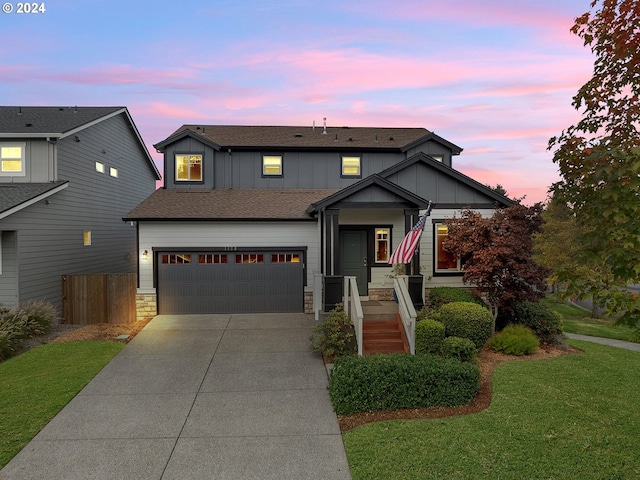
(382, 336)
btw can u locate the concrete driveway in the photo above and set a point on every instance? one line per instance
(198, 397)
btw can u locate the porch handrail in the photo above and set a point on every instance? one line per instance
(353, 307)
(317, 294)
(406, 309)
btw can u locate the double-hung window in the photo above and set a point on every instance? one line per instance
(188, 168)
(351, 166)
(12, 161)
(272, 165)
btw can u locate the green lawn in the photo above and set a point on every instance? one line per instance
(578, 320)
(572, 417)
(36, 385)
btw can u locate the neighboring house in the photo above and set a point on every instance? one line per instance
(249, 215)
(67, 177)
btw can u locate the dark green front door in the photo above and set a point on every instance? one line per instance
(353, 257)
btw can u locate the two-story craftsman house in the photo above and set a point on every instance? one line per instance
(250, 214)
(67, 177)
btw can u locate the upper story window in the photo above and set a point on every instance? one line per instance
(350, 166)
(12, 160)
(100, 167)
(382, 245)
(437, 158)
(272, 165)
(445, 261)
(188, 168)
(113, 172)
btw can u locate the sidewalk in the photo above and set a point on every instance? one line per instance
(606, 341)
(198, 397)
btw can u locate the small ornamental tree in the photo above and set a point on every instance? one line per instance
(497, 254)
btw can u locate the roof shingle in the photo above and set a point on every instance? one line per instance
(228, 204)
(48, 120)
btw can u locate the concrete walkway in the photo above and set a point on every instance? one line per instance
(606, 341)
(198, 397)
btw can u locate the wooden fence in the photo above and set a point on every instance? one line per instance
(99, 298)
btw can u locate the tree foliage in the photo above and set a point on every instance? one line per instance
(599, 157)
(497, 253)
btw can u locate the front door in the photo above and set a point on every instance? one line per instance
(353, 257)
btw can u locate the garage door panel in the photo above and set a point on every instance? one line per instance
(259, 286)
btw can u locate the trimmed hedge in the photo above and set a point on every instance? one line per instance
(429, 336)
(461, 349)
(439, 296)
(389, 382)
(467, 320)
(516, 340)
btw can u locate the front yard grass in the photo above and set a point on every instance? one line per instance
(36, 385)
(578, 320)
(570, 417)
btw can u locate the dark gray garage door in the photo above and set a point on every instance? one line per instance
(230, 282)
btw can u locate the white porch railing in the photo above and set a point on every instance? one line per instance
(406, 310)
(317, 294)
(353, 307)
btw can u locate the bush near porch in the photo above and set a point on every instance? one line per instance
(390, 382)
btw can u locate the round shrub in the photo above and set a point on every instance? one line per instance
(459, 348)
(438, 296)
(544, 322)
(335, 336)
(516, 340)
(466, 320)
(429, 336)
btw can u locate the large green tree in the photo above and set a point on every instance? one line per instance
(599, 157)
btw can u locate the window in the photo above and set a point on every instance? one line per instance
(437, 158)
(12, 159)
(87, 237)
(113, 172)
(211, 258)
(350, 166)
(189, 168)
(100, 167)
(285, 258)
(272, 165)
(382, 245)
(445, 261)
(176, 258)
(250, 258)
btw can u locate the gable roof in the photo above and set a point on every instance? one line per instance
(448, 171)
(227, 204)
(16, 196)
(60, 122)
(296, 137)
(366, 183)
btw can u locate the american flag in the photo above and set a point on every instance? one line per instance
(408, 245)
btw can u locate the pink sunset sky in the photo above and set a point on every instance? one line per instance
(495, 77)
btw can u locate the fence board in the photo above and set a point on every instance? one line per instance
(99, 298)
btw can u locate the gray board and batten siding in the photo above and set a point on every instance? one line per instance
(49, 234)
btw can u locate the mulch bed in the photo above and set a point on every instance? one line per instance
(488, 359)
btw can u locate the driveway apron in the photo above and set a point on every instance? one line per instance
(198, 397)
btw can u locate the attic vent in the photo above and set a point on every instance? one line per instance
(28, 124)
(297, 135)
(61, 109)
(350, 139)
(391, 138)
(345, 127)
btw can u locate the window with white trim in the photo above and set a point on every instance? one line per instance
(113, 172)
(100, 167)
(86, 237)
(12, 161)
(382, 245)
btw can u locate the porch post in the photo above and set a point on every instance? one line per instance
(410, 218)
(331, 243)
